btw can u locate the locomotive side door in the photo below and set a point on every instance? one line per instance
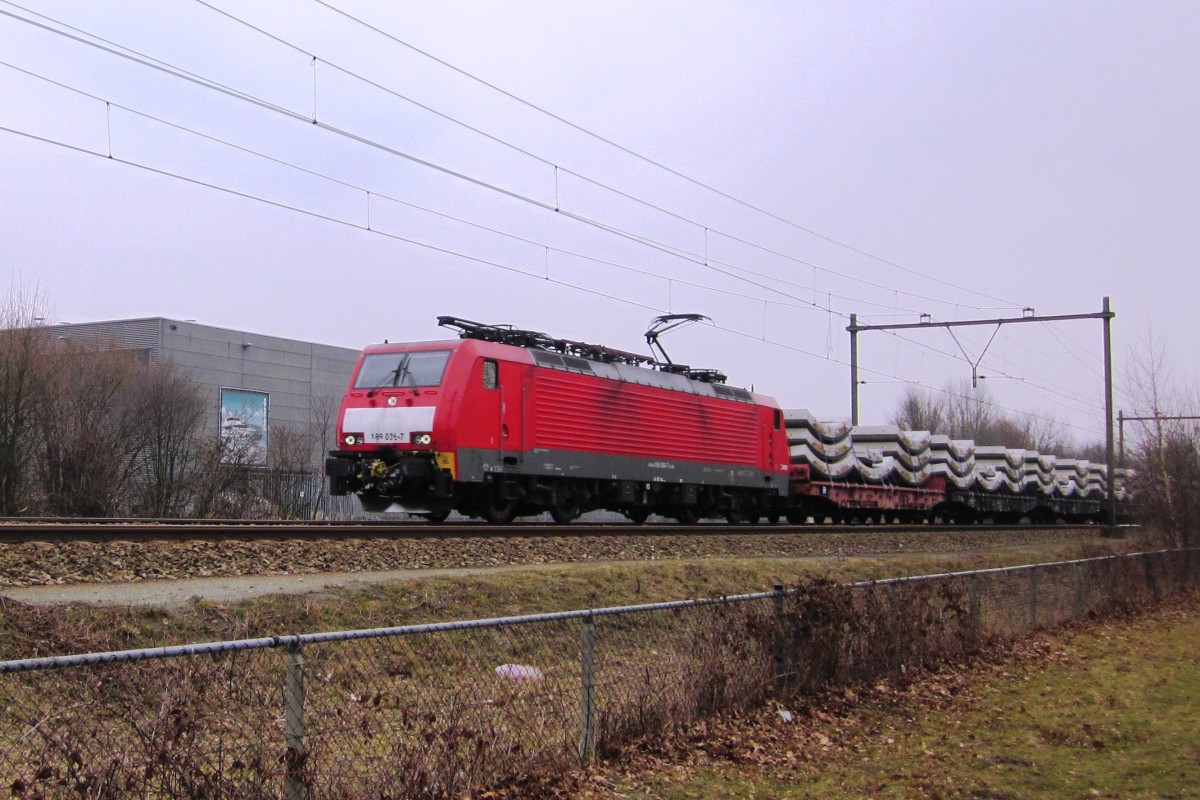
(511, 406)
(490, 411)
(778, 452)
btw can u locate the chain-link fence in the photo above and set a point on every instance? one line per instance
(445, 709)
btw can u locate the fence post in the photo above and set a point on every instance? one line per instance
(1033, 597)
(1151, 579)
(587, 694)
(1079, 591)
(295, 786)
(976, 604)
(893, 625)
(780, 640)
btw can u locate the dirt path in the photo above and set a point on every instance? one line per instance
(172, 594)
(173, 574)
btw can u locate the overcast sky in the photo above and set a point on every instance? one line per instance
(775, 166)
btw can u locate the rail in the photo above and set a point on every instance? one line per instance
(57, 529)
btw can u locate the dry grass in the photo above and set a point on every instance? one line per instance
(428, 716)
(1100, 709)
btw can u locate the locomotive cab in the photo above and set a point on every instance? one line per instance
(389, 448)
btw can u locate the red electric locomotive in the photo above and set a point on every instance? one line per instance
(504, 422)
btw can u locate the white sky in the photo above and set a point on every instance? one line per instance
(989, 156)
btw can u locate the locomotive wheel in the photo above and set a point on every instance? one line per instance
(565, 506)
(564, 511)
(638, 516)
(499, 511)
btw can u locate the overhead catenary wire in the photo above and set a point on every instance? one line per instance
(469, 257)
(139, 57)
(265, 104)
(992, 358)
(314, 214)
(204, 82)
(369, 193)
(447, 251)
(1059, 391)
(937, 389)
(676, 280)
(1060, 335)
(707, 228)
(1083, 400)
(1084, 404)
(949, 357)
(652, 162)
(145, 60)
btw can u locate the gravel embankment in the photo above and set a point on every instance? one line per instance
(42, 564)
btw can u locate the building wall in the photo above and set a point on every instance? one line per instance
(298, 376)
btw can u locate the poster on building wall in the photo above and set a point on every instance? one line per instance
(244, 426)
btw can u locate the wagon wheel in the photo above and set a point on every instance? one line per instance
(687, 515)
(436, 516)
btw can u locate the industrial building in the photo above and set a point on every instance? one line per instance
(255, 381)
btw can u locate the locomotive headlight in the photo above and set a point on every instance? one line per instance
(422, 438)
(353, 438)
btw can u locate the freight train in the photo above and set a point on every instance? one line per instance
(503, 422)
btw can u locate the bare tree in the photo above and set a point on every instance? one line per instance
(221, 486)
(1165, 454)
(1092, 451)
(1047, 434)
(171, 407)
(24, 387)
(86, 444)
(966, 412)
(970, 412)
(920, 410)
(322, 414)
(289, 482)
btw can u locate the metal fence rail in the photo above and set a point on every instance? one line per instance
(441, 709)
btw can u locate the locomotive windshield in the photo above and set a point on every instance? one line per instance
(414, 369)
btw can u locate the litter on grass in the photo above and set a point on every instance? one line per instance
(519, 672)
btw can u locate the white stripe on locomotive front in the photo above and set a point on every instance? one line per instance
(388, 425)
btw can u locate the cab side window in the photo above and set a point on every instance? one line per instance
(778, 419)
(491, 374)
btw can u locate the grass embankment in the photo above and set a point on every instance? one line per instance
(779, 755)
(27, 632)
(1105, 709)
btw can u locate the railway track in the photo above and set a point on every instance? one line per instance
(59, 554)
(107, 530)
